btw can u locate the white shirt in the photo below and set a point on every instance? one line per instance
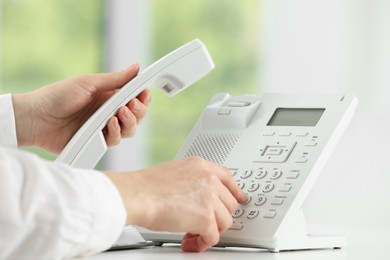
(50, 210)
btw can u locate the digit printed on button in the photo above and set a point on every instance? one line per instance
(246, 174)
(260, 174)
(253, 187)
(260, 200)
(268, 187)
(252, 214)
(238, 213)
(276, 174)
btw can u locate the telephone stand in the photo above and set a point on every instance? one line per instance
(294, 236)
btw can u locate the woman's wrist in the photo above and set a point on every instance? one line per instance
(24, 120)
(138, 208)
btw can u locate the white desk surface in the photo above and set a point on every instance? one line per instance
(363, 243)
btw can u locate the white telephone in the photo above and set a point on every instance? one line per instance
(172, 73)
(275, 146)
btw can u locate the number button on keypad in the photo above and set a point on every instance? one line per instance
(241, 185)
(253, 187)
(249, 199)
(252, 214)
(238, 213)
(268, 187)
(276, 174)
(260, 174)
(260, 200)
(246, 174)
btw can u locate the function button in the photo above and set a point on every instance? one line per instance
(253, 213)
(260, 174)
(302, 134)
(277, 201)
(285, 188)
(238, 213)
(268, 187)
(236, 226)
(246, 174)
(311, 143)
(274, 150)
(269, 133)
(286, 133)
(260, 200)
(269, 214)
(293, 175)
(224, 111)
(301, 159)
(253, 187)
(276, 174)
(233, 171)
(238, 104)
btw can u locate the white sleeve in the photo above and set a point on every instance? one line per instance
(7, 121)
(51, 211)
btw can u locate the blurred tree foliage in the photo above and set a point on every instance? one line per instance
(230, 30)
(45, 41)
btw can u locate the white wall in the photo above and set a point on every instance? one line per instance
(339, 45)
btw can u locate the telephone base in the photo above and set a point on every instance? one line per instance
(294, 236)
(310, 242)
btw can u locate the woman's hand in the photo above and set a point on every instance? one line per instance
(192, 195)
(50, 116)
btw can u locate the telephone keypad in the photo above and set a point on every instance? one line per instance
(267, 189)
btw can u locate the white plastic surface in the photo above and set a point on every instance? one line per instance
(172, 73)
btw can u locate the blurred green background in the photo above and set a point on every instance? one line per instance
(230, 30)
(46, 41)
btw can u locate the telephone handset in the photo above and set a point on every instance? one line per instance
(172, 73)
(275, 146)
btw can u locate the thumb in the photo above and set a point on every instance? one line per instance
(114, 80)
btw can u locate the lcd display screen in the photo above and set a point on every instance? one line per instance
(296, 117)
